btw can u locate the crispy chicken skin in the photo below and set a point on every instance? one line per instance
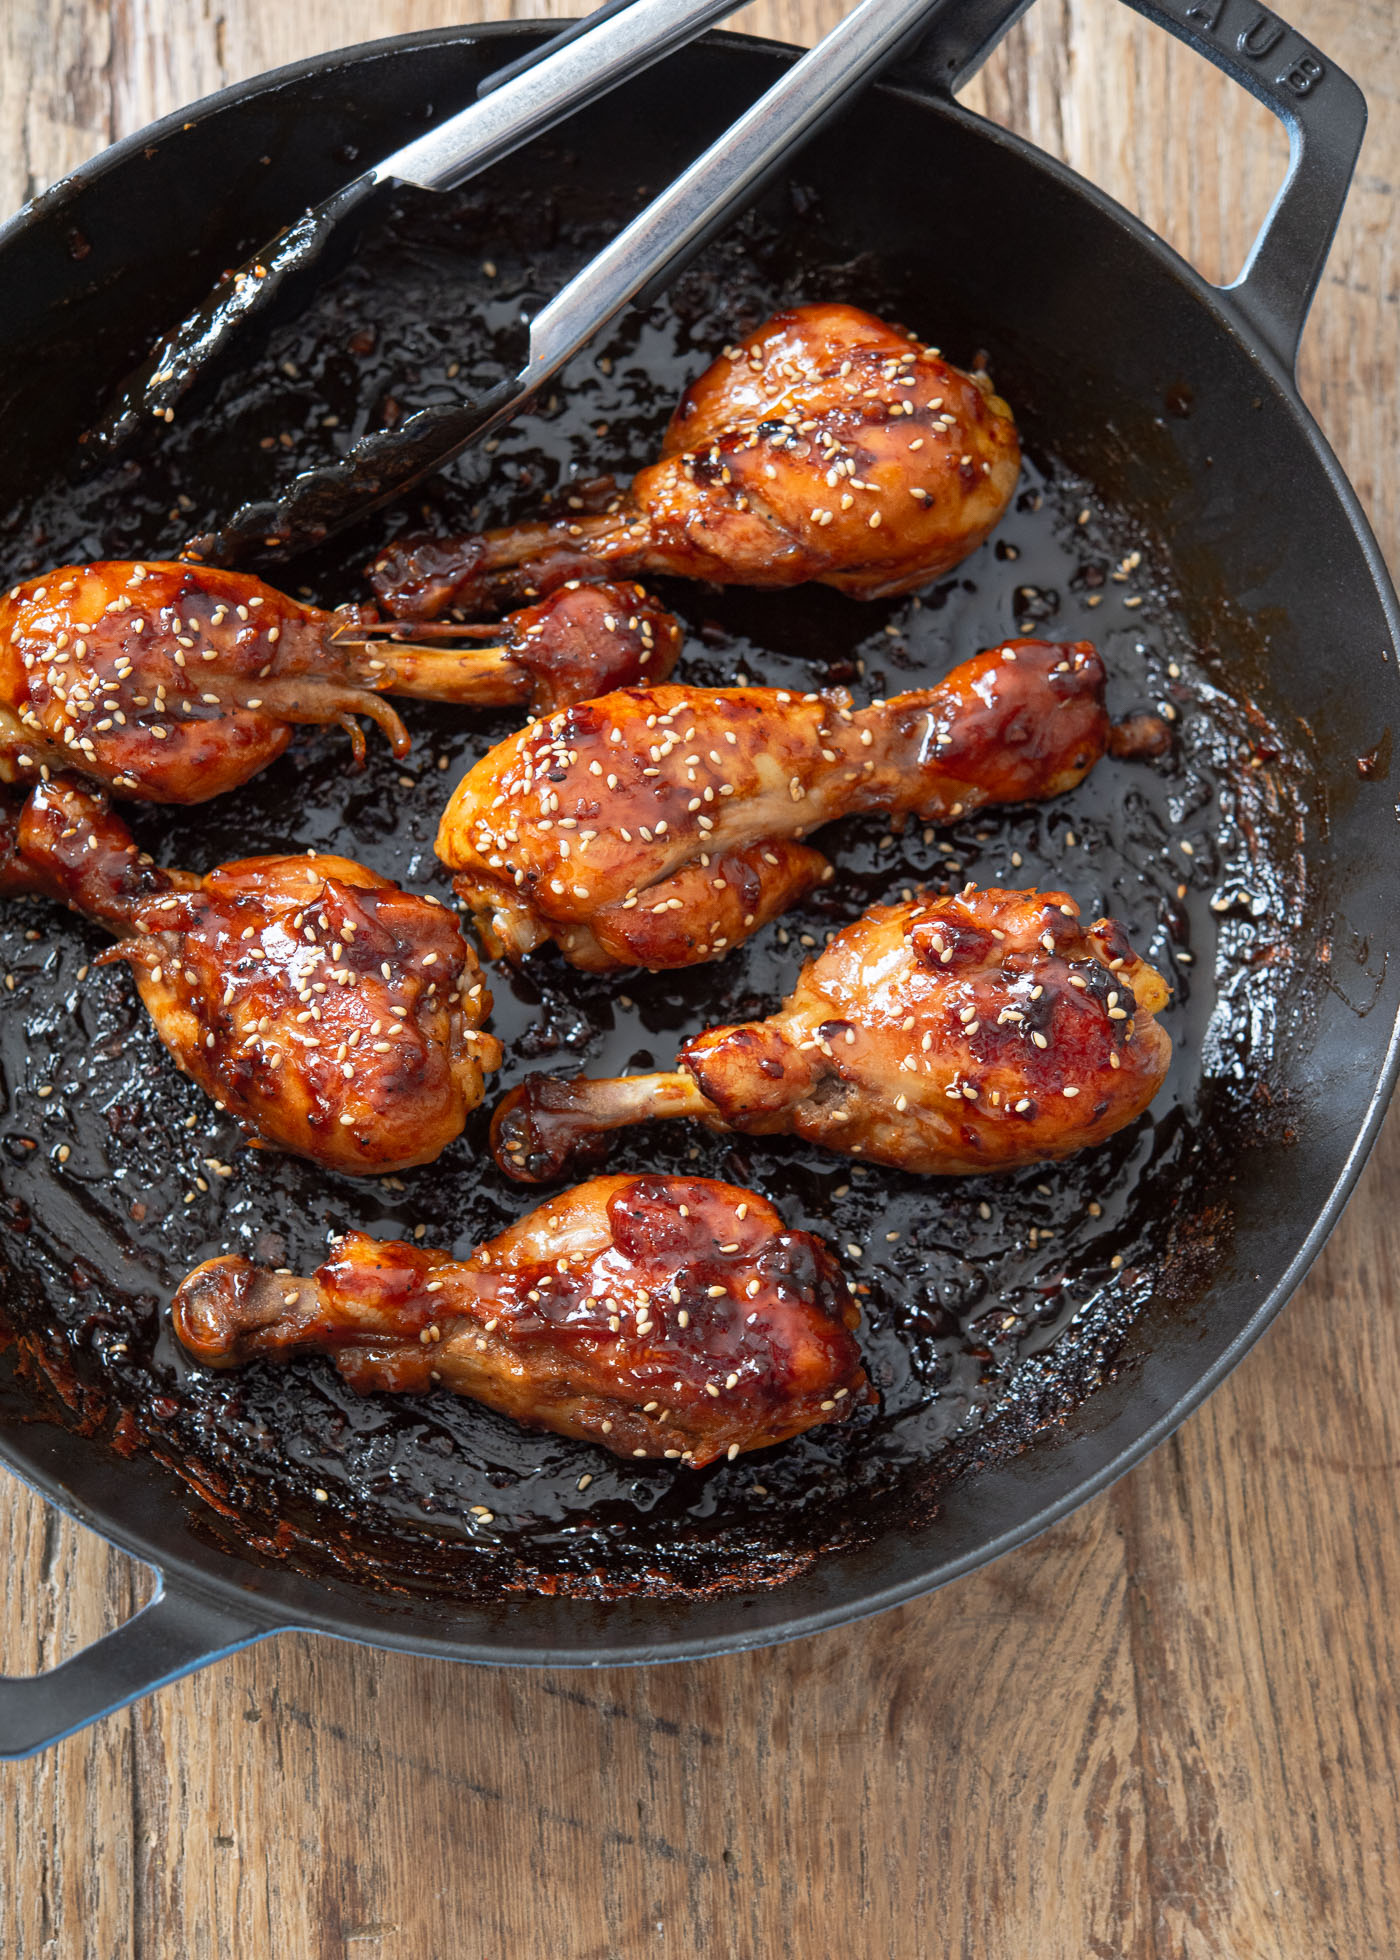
(175, 682)
(659, 1316)
(333, 1014)
(659, 827)
(826, 446)
(973, 1033)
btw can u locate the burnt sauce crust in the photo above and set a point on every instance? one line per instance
(990, 1306)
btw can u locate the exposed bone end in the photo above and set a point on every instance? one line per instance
(586, 639)
(547, 1126)
(229, 1311)
(545, 1129)
(480, 572)
(1020, 722)
(419, 578)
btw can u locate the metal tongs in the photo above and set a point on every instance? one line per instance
(636, 265)
(514, 104)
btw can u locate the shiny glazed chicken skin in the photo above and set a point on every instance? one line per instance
(659, 1316)
(973, 1033)
(333, 1014)
(175, 682)
(659, 827)
(826, 446)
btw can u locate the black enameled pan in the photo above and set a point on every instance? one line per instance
(1033, 1336)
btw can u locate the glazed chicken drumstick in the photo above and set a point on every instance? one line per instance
(174, 682)
(980, 1032)
(826, 446)
(659, 827)
(333, 1014)
(659, 1316)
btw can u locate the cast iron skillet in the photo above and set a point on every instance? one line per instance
(1159, 405)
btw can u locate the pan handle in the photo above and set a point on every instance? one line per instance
(176, 1633)
(1322, 109)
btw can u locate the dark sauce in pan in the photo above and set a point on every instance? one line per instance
(991, 1306)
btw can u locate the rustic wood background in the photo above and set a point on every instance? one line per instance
(1168, 1728)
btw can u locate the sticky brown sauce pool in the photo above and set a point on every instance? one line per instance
(991, 1306)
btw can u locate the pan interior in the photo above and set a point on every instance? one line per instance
(992, 1307)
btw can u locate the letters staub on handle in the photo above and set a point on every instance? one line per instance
(1284, 59)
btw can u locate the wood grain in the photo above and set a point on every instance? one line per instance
(1165, 1731)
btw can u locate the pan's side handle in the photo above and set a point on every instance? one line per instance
(1322, 109)
(176, 1633)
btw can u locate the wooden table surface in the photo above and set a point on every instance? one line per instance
(1167, 1728)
